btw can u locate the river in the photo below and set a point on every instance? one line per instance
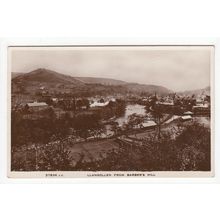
(131, 109)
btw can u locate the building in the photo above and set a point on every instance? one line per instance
(98, 104)
(165, 103)
(167, 107)
(36, 106)
(186, 118)
(201, 110)
(188, 113)
(148, 124)
(55, 100)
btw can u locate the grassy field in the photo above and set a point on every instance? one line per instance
(92, 149)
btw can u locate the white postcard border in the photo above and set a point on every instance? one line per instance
(95, 175)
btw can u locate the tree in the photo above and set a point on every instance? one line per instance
(101, 100)
(134, 120)
(195, 145)
(189, 151)
(55, 157)
(115, 128)
(157, 114)
(79, 104)
(85, 102)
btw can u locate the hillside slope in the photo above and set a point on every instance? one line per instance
(56, 82)
(135, 87)
(103, 81)
(204, 91)
(46, 76)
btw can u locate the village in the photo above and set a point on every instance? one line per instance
(131, 111)
(95, 125)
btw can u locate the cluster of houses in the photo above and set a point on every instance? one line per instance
(185, 106)
(100, 102)
(178, 104)
(62, 105)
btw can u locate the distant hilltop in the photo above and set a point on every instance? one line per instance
(103, 81)
(45, 75)
(203, 91)
(51, 79)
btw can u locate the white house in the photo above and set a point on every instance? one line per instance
(36, 106)
(186, 118)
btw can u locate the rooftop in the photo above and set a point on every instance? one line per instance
(188, 113)
(165, 103)
(148, 124)
(186, 117)
(37, 104)
(98, 104)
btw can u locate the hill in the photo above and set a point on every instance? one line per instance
(46, 76)
(204, 91)
(135, 87)
(52, 81)
(103, 81)
(13, 74)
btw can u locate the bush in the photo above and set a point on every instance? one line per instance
(190, 151)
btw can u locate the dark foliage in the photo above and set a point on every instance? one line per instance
(190, 151)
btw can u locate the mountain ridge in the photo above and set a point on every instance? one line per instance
(52, 79)
(206, 90)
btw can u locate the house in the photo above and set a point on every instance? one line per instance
(186, 118)
(55, 100)
(98, 104)
(148, 124)
(201, 109)
(165, 103)
(173, 118)
(188, 113)
(36, 106)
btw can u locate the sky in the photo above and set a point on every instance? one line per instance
(176, 68)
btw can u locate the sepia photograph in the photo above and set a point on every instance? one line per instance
(110, 111)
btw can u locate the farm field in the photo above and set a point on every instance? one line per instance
(93, 149)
